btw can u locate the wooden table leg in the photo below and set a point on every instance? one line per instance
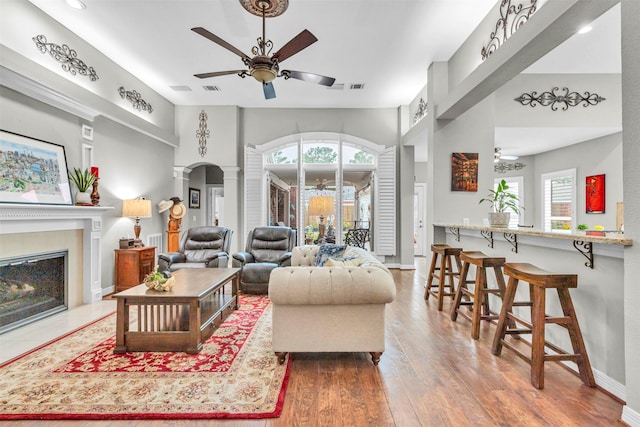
(122, 326)
(235, 285)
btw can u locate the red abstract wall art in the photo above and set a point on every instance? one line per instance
(595, 194)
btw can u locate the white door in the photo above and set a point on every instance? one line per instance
(419, 208)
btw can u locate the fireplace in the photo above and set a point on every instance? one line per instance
(31, 288)
(34, 229)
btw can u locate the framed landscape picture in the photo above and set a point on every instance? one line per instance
(32, 171)
(194, 198)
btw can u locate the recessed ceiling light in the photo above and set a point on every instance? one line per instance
(76, 4)
(585, 30)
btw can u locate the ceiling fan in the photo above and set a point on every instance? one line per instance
(264, 66)
(497, 155)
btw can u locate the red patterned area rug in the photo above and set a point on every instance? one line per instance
(77, 376)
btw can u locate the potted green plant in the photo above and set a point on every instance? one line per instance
(82, 179)
(501, 201)
(581, 229)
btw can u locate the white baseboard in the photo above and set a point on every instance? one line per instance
(630, 416)
(107, 291)
(617, 389)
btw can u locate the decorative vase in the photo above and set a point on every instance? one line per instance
(83, 198)
(499, 219)
(580, 232)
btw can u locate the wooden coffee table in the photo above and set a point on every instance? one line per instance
(181, 319)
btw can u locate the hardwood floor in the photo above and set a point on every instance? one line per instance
(431, 374)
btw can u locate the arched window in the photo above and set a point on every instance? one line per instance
(322, 184)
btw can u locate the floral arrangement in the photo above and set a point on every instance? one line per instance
(159, 281)
(582, 227)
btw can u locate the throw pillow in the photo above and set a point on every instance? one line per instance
(327, 251)
(343, 262)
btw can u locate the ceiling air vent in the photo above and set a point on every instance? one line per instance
(212, 88)
(357, 86)
(337, 86)
(180, 88)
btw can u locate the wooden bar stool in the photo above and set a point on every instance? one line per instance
(539, 281)
(442, 272)
(478, 298)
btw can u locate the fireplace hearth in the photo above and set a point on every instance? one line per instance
(32, 287)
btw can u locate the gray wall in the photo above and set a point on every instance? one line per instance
(131, 164)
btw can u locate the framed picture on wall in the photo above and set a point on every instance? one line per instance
(464, 172)
(595, 194)
(194, 198)
(32, 171)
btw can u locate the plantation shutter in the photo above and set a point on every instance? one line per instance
(385, 208)
(559, 199)
(254, 195)
(514, 188)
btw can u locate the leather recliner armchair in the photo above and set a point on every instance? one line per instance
(266, 249)
(200, 247)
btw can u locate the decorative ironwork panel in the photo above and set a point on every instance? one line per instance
(503, 167)
(66, 56)
(136, 99)
(512, 17)
(553, 98)
(203, 134)
(421, 112)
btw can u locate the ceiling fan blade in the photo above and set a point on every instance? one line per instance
(310, 77)
(269, 90)
(218, 73)
(209, 35)
(295, 45)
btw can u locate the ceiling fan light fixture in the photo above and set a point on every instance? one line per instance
(263, 74)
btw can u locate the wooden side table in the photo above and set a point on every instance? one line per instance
(131, 265)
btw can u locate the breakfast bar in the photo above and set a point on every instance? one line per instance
(598, 260)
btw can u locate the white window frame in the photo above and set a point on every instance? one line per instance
(515, 219)
(543, 202)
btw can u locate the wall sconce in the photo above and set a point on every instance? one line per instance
(137, 208)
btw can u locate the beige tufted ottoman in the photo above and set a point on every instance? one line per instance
(330, 309)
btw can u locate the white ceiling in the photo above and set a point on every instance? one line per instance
(387, 45)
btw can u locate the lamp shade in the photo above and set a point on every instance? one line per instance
(321, 205)
(136, 208)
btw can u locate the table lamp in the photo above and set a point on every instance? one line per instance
(321, 206)
(137, 208)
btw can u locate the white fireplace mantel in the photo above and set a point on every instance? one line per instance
(26, 218)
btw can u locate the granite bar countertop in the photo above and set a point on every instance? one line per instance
(610, 237)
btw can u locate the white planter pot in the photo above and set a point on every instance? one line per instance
(499, 219)
(83, 198)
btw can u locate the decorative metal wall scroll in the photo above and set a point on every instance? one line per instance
(421, 112)
(136, 99)
(503, 167)
(552, 98)
(512, 17)
(203, 134)
(66, 56)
